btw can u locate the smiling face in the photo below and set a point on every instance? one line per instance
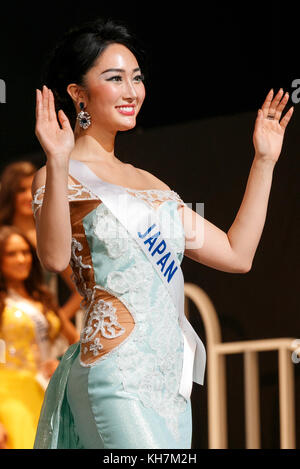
(114, 90)
(16, 259)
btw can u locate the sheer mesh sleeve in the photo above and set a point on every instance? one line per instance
(75, 192)
(156, 196)
(78, 192)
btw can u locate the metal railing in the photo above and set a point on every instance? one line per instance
(216, 377)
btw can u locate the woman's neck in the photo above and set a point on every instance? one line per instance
(95, 147)
(18, 287)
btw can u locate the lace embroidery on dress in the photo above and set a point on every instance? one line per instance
(80, 192)
(94, 346)
(156, 196)
(76, 192)
(76, 261)
(100, 315)
(156, 340)
(102, 319)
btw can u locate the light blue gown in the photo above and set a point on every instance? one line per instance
(127, 397)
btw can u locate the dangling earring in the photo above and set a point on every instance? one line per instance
(83, 117)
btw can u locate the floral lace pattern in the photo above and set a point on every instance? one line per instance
(117, 240)
(80, 192)
(155, 196)
(76, 261)
(110, 232)
(76, 192)
(151, 362)
(150, 358)
(102, 320)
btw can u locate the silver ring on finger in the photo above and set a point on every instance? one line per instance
(270, 117)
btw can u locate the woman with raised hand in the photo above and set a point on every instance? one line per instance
(128, 383)
(30, 321)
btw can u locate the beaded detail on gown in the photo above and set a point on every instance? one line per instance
(129, 314)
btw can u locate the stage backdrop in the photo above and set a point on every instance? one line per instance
(209, 161)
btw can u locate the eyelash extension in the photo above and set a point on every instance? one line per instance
(141, 78)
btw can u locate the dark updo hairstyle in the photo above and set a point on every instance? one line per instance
(76, 53)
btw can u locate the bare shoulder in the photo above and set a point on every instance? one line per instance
(153, 181)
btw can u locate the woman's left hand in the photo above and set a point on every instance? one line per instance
(269, 129)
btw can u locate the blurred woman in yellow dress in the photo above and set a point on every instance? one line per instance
(16, 209)
(30, 320)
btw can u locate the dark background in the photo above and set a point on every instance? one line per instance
(210, 69)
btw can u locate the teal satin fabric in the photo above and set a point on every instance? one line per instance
(56, 425)
(128, 398)
(106, 416)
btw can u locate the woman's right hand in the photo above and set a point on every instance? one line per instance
(57, 142)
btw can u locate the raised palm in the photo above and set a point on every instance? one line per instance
(57, 142)
(269, 129)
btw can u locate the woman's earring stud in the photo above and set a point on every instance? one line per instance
(83, 117)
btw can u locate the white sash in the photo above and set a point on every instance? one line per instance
(141, 222)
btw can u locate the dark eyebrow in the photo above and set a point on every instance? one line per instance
(120, 70)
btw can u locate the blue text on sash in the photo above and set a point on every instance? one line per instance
(159, 250)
